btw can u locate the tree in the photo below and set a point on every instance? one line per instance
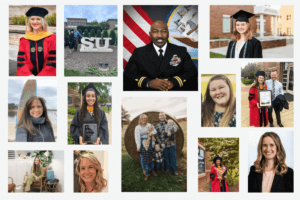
(67, 37)
(94, 22)
(112, 35)
(92, 33)
(104, 35)
(101, 87)
(99, 33)
(228, 150)
(80, 31)
(125, 116)
(86, 33)
(104, 25)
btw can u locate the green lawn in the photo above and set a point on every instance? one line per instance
(91, 71)
(133, 177)
(216, 55)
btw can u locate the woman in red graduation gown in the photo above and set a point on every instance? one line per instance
(258, 116)
(218, 175)
(37, 49)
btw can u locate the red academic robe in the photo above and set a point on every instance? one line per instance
(215, 182)
(37, 55)
(255, 115)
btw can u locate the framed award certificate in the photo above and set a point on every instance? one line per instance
(265, 98)
(89, 133)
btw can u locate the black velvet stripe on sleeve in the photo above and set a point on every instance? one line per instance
(33, 57)
(20, 64)
(52, 52)
(212, 176)
(251, 96)
(20, 59)
(40, 44)
(21, 53)
(51, 64)
(51, 58)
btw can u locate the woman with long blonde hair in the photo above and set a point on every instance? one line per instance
(243, 44)
(90, 173)
(36, 175)
(37, 49)
(219, 106)
(270, 173)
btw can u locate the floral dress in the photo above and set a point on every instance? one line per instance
(218, 117)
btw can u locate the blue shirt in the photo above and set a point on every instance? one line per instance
(278, 87)
(76, 33)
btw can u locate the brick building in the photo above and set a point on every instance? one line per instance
(74, 22)
(113, 23)
(220, 21)
(73, 98)
(204, 167)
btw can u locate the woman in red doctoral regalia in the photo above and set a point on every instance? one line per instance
(218, 175)
(258, 116)
(37, 49)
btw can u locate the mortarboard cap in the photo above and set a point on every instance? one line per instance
(37, 11)
(217, 158)
(260, 73)
(90, 87)
(241, 16)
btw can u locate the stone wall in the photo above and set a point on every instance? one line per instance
(19, 10)
(14, 38)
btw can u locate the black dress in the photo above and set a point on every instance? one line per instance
(284, 183)
(251, 49)
(102, 126)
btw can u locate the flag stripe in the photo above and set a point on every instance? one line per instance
(134, 39)
(135, 28)
(143, 14)
(128, 45)
(126, 54)
(136, 17)
(124, 63)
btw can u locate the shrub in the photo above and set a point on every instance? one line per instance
(104, 35)
(86, 33)
(99, 33)
(92, 33)
(51, 20)
(80, 31)
(67, 37)
(112, 35)
(72, 111)
(19, 20)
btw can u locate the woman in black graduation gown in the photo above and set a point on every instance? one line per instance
(242, 44)
(89, 114)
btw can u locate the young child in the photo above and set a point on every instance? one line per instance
(159, 158)
(171, 129)
(147, 159)
(151, 136)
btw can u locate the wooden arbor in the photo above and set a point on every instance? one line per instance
(129, 139)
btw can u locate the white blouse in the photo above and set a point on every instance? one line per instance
(142, 132)
(237, 51)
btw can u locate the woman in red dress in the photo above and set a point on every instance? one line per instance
(258, 115)
(218, 175)
(37, 49)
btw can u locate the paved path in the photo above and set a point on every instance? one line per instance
(80, 61)
(287, 116)
(278, 52)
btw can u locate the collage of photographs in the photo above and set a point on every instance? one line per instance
(65, 65)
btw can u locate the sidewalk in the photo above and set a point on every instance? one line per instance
(287, 116)
(278, 52)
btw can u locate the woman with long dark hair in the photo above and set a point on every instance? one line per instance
(270, 173)
(258, 115)
(218, 175)
(243, 44)
(90, 113)
(36, 175)
(37, 49)
(34, 125)
(218, 108)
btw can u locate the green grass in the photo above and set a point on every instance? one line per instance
(91, 71)
(216, 55)
(70, 117)
(133, 179)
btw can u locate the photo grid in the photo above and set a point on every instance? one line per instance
(94, 70)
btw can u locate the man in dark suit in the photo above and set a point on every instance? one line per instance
(160, 65)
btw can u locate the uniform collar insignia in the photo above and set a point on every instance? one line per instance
(39, 36)
(175, 60)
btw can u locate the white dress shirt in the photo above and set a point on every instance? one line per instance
(163, 48)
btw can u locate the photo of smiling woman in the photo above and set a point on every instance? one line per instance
(243, 44)
(35, 125)
(90, 113)
(89, 172)
(270, 172)
(37, 49)
(219, 104)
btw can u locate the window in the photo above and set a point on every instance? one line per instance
(258, 26)
(226, 23)
(289, 31)
(279, 18)
(201, 161)
(69, 100)
(289, 17)
(279, 31)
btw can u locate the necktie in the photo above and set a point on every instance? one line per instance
(160, 55)
(160, 58)
(273, 91)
